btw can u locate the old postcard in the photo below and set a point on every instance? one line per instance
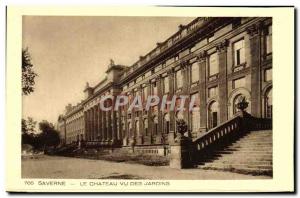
(150, 99)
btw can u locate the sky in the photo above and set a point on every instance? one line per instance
(68, 51)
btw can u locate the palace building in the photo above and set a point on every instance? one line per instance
(219, 60)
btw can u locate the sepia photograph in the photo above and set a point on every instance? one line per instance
(150, 100)
(136, 97)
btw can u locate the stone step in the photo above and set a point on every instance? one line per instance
(249, 149)
(255, 140)
(244, 161)
(238, 166)
(258, 136)
(249, 158)
(237, 160)
(258, 141)
(253, 171)
(251, 153)
(262, 147)
(242, 152)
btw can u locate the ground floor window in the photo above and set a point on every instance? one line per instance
(195, 120)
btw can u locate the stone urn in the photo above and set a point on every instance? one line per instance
(242, 104)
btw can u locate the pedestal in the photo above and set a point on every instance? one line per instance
(181, 153)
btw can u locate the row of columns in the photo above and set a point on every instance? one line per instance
(101, 125)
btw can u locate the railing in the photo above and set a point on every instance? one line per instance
(236, 126)
(217, 133)
(259, 123)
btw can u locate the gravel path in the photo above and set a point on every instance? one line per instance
(75, 168)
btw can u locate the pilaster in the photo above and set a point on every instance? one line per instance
(202, 59)
(254, 33)
(222, 53)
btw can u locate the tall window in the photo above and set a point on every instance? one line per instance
(129, 129)
(213, 65)
(212, 92)
(155, 119)
(123, 129)
(166, 123)
(239, 52)
(194, 72)
(196, 114)
(145, 93)
(269, 40)
(154, 88)
(241, 82)
(137, 127)
(213, 110)
(146, 126)
(268, 75)
(166, 84)
(178, 79)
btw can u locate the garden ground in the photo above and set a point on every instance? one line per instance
(55, 167)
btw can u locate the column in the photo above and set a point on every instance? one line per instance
(92, 123)
(119, 121)
(132, 132)
(185, 88)
(85, 125)
(125, 135)
(89, 124)
(202, 90)
(104, 125)
(171, 94)
(141, 128)
(159, 115)
(149, 138)
(222, 54)
(254, 32)
(171, 136)
(109, 125)
(100, 123)
(114, 126)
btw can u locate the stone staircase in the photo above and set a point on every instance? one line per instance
(249, 154)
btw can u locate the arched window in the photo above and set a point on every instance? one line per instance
(213, 110)
(268, 104)
(166, 123)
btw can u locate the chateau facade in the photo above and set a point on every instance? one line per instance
(217, 60)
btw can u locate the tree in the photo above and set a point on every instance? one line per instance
(28, 131)
(49, 136)
(28, 74)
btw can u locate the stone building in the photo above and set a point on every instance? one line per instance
(218, 60)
